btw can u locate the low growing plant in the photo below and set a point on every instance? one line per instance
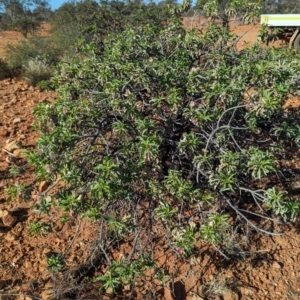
(123, 272)
(14, 191)
(55, 262)
(14, 171)
(38, 228)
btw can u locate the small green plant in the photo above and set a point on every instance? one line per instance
(162, 276)
(164, 211)
(14, 171)
(14, 191)
(120, 226)
(281, 205)
(123, 272)
(184, 239)
(45, 85)
(44, 205)
(266, 36)
(213, 230)
(55, 262)
(38, 228)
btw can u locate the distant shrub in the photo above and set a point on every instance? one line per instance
(4, 69)
(18, 55)
(37, 70)
(36, 58)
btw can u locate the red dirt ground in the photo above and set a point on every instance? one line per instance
(272, 273)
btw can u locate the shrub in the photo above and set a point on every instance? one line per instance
(4, 69)
(171, 131)
(19, 54)
(23, 56)
(37, 70)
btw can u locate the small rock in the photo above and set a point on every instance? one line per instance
(231, 295)
(25, 289)
(108, 294)
(4, 131)
(12, 145)
(19, 153)
(10, 237)
(72, 258)
(194, 296)
(168, 294)
(17, 120)
(246, 291)
(43, 186)
(3, 213)
(127, 287)
(9, 220)
(276, 265)
(47, 253)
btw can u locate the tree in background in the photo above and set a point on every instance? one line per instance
(90, 19)
(23, 16)
(266, 6)
(281, 7)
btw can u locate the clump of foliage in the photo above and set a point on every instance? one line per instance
(38, 228)
(37, 70)
(19, 54)
(165, 134)
(36, 58)
(55, 262)
(14, 191)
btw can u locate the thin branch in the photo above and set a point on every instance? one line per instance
(261, 216)
(260, 230)
(74, 237)
(219, 128)
(222, 253)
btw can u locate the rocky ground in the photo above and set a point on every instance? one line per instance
(268, 269)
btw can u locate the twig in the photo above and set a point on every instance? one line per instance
(261, 216)
(74, 237)
(223, 254)
(219, 128)
(248, 222)
(8, 152)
